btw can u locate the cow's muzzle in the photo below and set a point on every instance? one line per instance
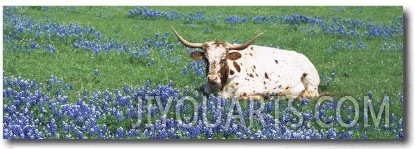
(213, 79)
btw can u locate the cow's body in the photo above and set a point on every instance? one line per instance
(250, 72)
(265, 71)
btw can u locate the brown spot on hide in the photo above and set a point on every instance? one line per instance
(266, 76)
(276, 61)
(224, 76)
(236, 66)
(252, 48)
(213, 65)
(236, 83)
(251, 75)
(304, 81)
(231, 72)
(250, 54)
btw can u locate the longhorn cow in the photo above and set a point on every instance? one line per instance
(245, 71)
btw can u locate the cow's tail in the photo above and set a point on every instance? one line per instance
(323, 94)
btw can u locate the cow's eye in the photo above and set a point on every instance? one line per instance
(223, 61)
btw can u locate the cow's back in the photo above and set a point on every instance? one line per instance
(263, 71)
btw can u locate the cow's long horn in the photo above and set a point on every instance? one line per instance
(186, 43)
(245, 45)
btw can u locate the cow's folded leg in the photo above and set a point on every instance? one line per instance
(307, 94)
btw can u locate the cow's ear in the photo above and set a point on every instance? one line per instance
(197, 55)
(234, 56)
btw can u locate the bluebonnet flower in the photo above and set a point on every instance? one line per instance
(357, 127)
(207, 30)
(361, 45)
(305, 102)
(259, 20)
(152, 62)
(34, 45)
(364, 135)
(385, 128)
(346, 135)
(184, 70)
(400, 124)
(341, 30)
(161, 134)
(332, 133)
(120, 115)
(400, 134)
(195, 17)
(120, 133)
(133, 133)
(198, 67)
(370, 95)
(96, 73)
(235, 19)
(327, 82)
(145, 13)
(103, 131)
(98, 34)
(50, 48)
(79, 134)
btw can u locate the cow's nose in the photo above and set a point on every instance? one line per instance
(213, 79)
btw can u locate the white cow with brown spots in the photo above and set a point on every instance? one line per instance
(245, 71)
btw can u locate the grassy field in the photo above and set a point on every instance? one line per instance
(77, 52)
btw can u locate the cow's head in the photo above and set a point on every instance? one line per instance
(215, 54)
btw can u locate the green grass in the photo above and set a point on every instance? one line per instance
(357, 71)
